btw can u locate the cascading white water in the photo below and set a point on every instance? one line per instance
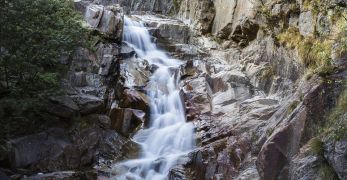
(169, 136)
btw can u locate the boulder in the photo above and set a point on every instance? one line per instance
(30, 150)
(111, 23)
(62, 106)
(115, 147)
(244, 32)
(127, 51)
(107, 20)
(176, 32)
(222, 22)
(93, 15)
(89, 104)
(134, 72)
(281, 146)
(125, 120)
(135, 100)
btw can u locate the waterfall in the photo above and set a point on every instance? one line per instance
(168, 136)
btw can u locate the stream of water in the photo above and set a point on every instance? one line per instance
(168, 136)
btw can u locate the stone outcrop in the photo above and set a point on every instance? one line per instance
(126, 121)
(198, 13)
(254, 110)
(107, 20)
(336, 156)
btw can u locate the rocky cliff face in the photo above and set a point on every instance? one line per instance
(256, 101)
(261, 102)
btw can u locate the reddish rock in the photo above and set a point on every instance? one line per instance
(281, 146)
(126, 120)
(135, 100)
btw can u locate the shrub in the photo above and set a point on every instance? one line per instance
(336, 126)
(326, 172)
(34, 35)
(317, 147)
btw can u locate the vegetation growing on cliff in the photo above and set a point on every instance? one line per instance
(37, 37)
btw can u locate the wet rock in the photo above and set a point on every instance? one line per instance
(167, 30)
(135, 100)
(178, 173)
(134, 72)
(79, 79)
(198, 92)
(115, 147)
(62, 106)
(126, 51)
(126, 121)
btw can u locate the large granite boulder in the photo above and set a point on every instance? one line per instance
(107, 20)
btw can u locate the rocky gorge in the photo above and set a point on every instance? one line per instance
(262, 81)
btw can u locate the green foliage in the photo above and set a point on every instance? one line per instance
(34, 35)
(317, 147)
(326, 172)
(336, 126)
(292, 107)
(290, 37)
(315, 53)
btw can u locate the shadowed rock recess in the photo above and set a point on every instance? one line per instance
(263, 82)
